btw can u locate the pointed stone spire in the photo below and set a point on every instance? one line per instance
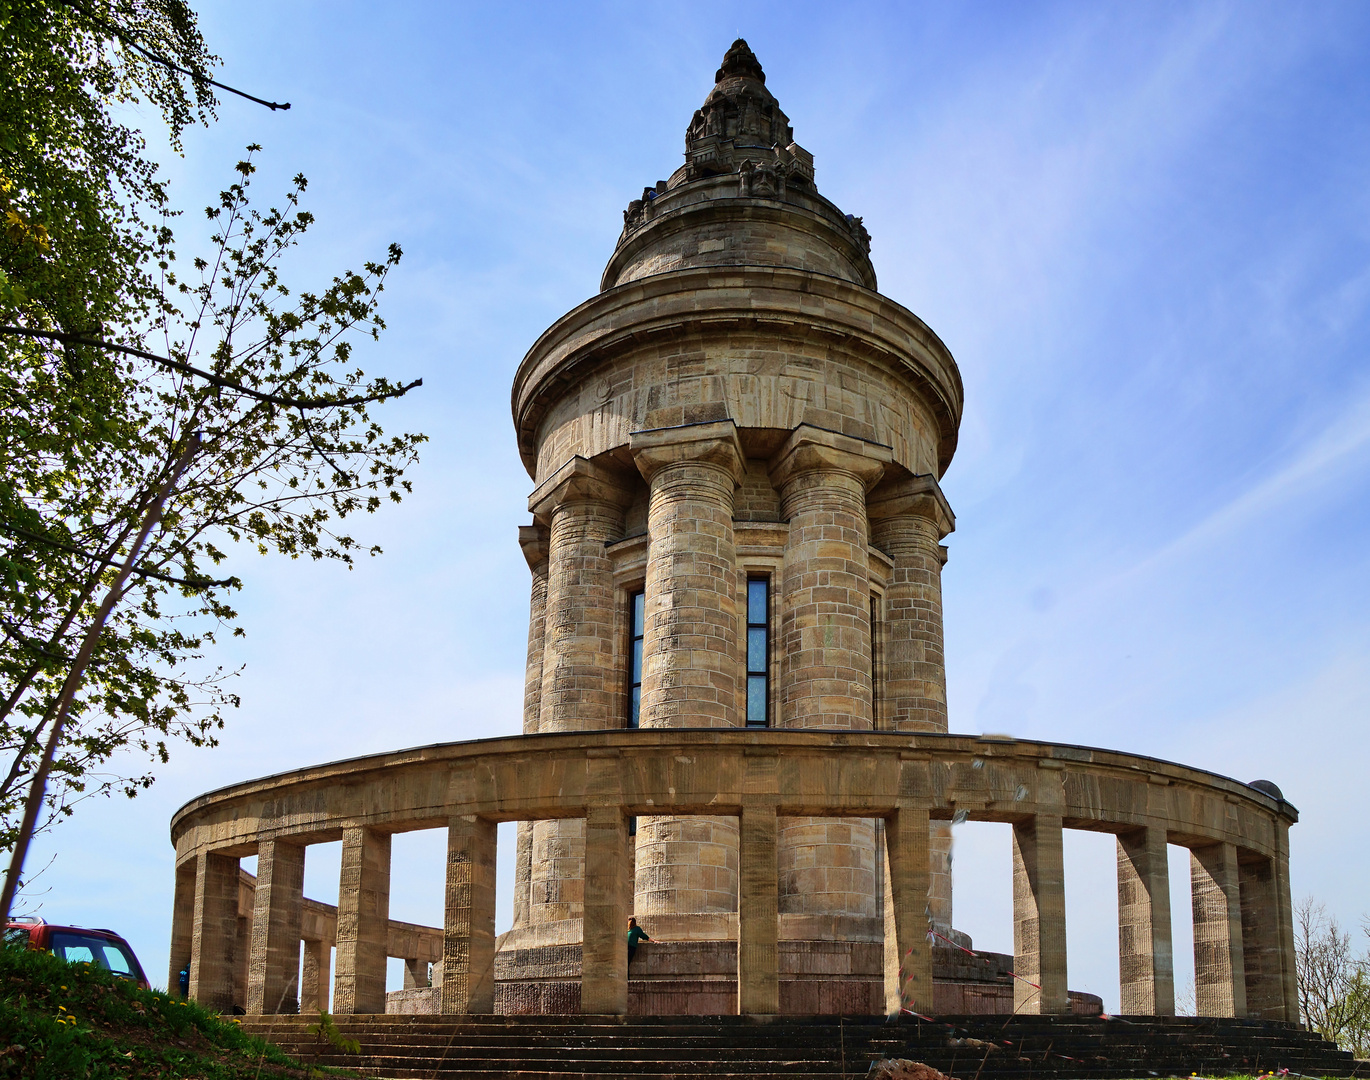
(745, 195)
(740, 62)
(741, 125)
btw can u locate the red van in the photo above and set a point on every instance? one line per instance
(77, 944)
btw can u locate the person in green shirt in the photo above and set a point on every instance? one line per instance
(635, 934)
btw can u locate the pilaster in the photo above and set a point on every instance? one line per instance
(317, 974)
(182, 927)
(1146, 973)
(604, 952)
(363, 922)
(274, 961)
(214, 931)
(1219, 967)
(1039, 916)
(468, 943)
(908, 981)
(758, 918)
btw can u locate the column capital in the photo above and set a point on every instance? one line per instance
(813, 449)
(714, 443)
(533, 540)
(579, 480)
(916, 495)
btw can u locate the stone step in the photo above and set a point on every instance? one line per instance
(657, 1048)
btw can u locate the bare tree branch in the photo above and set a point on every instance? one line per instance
(208, 376)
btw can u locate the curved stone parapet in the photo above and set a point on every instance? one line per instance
(1237, 835)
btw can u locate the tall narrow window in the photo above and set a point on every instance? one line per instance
(758, 651)
(876, 659)
(637, 605)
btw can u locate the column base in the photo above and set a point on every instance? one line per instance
(699, 978)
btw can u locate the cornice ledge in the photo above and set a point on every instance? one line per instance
(920, 495)
(712, 442)
(810, 448)
(579, 480)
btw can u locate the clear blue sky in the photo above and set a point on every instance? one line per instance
(1142, 229)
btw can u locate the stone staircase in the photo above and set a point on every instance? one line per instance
(677, 1048)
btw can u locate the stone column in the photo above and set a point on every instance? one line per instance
(1262, 951)
(468, 940)
(318, 960)
(690, 656)
(363, 922)
(826, 865)
(604, 948)
(909, 519)
(758, 919)
(582, 685)
(908, 964)
(214, 931)
(533, 541)
(242, 948)
(182, 926)
(1285, 905)
(1146, 971)
(1039, 916)
(278, 909)
(1219, 969)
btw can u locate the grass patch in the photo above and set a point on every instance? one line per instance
(61, 1021)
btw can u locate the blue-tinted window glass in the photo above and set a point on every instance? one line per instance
(637, 605)
(758, 652)
(756, 601)
(756, 701)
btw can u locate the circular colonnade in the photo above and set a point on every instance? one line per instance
(1237, 835)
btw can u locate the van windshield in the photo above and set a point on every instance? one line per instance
(83, 948)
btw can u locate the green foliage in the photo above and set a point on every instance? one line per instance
(78, 186)
(83, 212)
(327, 1033)
(287, 450)
(60, 1020)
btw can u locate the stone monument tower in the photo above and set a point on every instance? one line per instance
(736, 530)
(736, 449)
